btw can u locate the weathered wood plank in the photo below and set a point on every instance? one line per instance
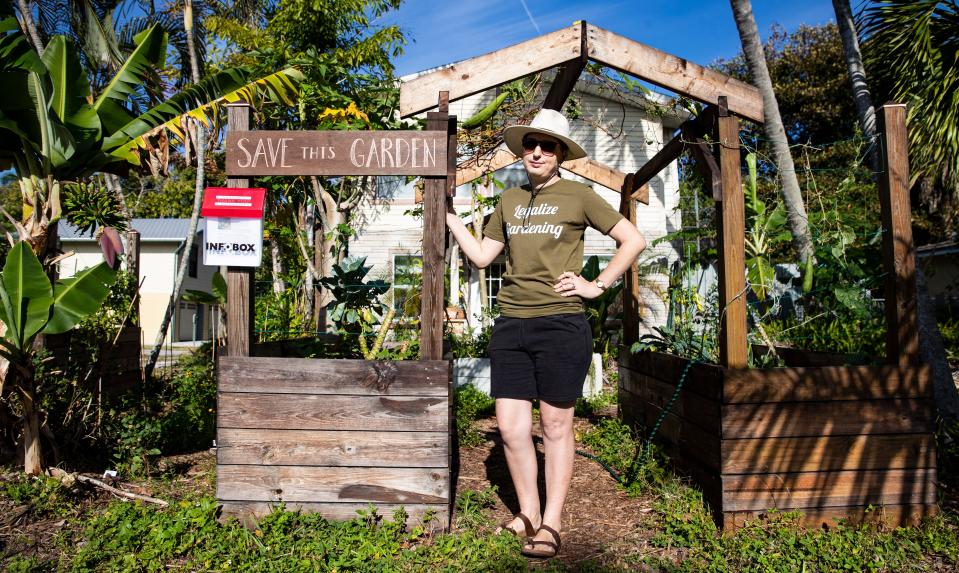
(889, 515)
(332, 448)
(326, 484)
(434, 247)
(690, 439)
(673, 73)
(332, 412)
(703, 379)
(839, 418)
(328, 376)
(826, 383)
(700, 411)
(240, 297)
(898, 250)
(264, 152)
(630, 292)
(490, 70)
(669, 153)
(731, 235)
(244, 510)
(569, 72)
(829, 489)
(599, 173)
(788, 455)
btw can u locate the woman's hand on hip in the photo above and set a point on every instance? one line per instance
(571, 284)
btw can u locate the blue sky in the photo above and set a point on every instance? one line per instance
(698, 30)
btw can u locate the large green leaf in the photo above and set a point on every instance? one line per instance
(29, 293)
(149, 53)
(219, 287)
(16, 52)
(80, 296)
(202, 101)
(56, 142)
(70, 91)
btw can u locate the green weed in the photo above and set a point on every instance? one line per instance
(471, 404)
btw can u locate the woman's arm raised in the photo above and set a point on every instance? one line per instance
(480, 254)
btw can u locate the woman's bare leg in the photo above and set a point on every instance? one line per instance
(515, 420)
(556, 419)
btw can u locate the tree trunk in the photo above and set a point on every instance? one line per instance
(29, 26)
(197, 204)
(32, 460)
(773, 126)
(276, 259)
(857, 76)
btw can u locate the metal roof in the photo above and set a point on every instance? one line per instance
(150, 230)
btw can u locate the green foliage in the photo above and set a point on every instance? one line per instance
(88, 206)
(133, 537)
(597, 309)
(691, 328)
(471, 505)
(809, 76)
(862, 337)
(355, 300)
(470, 405)
(45, 496)
(911, 51)
(617, 446)
(766, 229)
(587, 407)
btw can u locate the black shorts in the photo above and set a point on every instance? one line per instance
(545, 357)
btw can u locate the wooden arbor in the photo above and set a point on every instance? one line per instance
(830, 440)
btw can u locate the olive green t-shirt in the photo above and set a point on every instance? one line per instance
(545, 242)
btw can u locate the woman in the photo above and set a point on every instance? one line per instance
(541, 345)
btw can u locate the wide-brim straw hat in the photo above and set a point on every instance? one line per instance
(547, 122)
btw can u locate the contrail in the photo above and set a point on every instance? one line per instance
(530, 14)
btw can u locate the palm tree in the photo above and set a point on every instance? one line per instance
(911, 49)
(773, 126)
(857, 75)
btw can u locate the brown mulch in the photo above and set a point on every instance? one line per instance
(600, 521)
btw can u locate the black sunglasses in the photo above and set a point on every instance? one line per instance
(530, 143)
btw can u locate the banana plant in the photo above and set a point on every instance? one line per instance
(30, 306)
(766, 230)
(53, 129)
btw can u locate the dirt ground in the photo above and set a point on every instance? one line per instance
(600, 520)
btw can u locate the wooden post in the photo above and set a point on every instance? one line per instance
(898, 251)
(434, 243)
(239, 280)
(627, 207)
(133, 268)
(732, 244)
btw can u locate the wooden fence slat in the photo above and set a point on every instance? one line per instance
(731, 241)
(673, 73)
(434, 249)
(703, 379)
(898, 250)
(490, 70)
(836, 418)
(338, 376)
(690, 406)
(888, 515)
(332, 484)
(332, 412)
(239, 280)
(340, 511)
(828, 453)
(829, 489)
(826, 383)
(332, 448)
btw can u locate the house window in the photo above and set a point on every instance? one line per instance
(407, 283)
(494, 280)
(192, 262)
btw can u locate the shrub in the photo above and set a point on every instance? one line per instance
(470, 404)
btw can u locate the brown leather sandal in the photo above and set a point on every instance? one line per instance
(527, 525)
(552, 549)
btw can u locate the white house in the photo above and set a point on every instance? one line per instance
(161, 242)
(615, 127)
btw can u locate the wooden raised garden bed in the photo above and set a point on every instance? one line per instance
(333, 436)
(832, 441)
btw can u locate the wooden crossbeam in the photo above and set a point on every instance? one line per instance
(569, 73)
(490, 70)
(586, 168)
(691, 129)
(673, 73)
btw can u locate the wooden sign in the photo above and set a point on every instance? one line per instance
(336, 153)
